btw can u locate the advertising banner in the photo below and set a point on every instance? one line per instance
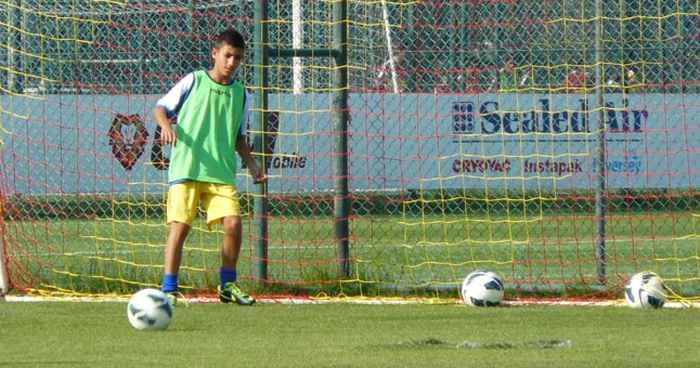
(109, 143)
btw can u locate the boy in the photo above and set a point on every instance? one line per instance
(212, 111)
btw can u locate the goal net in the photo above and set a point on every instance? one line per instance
(552, 142)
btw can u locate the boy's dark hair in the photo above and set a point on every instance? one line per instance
(230, 37)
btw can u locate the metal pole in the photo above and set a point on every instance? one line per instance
(4, 277)
(15, 78)
(340, 103)
(193, 58)
(259, 125)
(600, 190)
(13, 86)
(10, 53)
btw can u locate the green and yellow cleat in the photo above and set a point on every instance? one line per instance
(173, 296)
(232, 294)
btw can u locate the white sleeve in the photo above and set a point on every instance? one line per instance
(244, 118)
(173, 100)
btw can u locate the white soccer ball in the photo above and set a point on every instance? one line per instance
(645, 290)
(482, 289)
(149, 309)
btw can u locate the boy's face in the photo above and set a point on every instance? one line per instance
(227, 59)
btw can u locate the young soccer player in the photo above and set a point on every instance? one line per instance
(212, 111)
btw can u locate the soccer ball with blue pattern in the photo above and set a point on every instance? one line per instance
(482, 289)
(645, 290)
(149, 309)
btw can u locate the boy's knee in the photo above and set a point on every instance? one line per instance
(232, 224)
(179, 229)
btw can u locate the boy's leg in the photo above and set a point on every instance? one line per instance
(173, 259)
(173, 251)
(232, 242)
(221, 203)
(229, 291)
(182, 202)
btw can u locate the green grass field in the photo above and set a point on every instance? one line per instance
(85, 334)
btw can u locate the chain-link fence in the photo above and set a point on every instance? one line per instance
(142, 47)
(474, 142)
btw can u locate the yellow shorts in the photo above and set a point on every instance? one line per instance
(218, 200)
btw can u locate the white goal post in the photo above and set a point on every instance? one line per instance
(4, 279)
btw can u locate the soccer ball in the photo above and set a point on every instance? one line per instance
(645, 290)
(149, 309)
(482, 289)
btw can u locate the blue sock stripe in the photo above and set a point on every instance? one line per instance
(169, 284)
(226, 276)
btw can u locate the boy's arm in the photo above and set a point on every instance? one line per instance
(168, 135)
(254, 170)
(169, 105)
